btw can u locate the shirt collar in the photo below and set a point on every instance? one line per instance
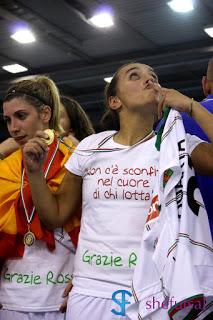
(210, 96)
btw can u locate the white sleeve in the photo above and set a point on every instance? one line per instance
(75, 163)
(192, 142)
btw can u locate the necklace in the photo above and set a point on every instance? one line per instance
(29, 237)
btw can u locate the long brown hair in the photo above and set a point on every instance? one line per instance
(80, 122)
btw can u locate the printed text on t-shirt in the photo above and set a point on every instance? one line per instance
(122, 183)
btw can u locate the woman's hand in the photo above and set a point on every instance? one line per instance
(8, 146)
(68, 137)
(65, 295)
(172, 98)
(34, 152)
(73, 139)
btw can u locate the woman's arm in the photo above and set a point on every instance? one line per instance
(7, 147)
(202, 159)
(54, 209)
(202, 155)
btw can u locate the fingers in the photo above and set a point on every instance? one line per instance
(63, 306)
(67, 290)
(176, 100)
(34, 153)
(36, 146)
(41, 134)
(62, 134)
(160, 98)
(161, 104)
(73, 139)
(41, 139)
(157, 86)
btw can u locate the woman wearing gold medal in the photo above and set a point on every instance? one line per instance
(36, 263)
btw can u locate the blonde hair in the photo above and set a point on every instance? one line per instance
(38, 91)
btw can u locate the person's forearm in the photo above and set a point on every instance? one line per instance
(204, 118)
(44, 201)
(7, 147)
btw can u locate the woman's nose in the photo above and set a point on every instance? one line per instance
(150, 80)
(13, 127)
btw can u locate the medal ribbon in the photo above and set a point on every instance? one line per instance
(26, 210)
(30, 217)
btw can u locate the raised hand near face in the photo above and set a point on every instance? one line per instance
(172, 98)
(34, 152)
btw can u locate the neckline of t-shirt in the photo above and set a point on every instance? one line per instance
(147, 138)
(116, 146)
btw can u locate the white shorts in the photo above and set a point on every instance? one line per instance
(16, 315)
(82, 307)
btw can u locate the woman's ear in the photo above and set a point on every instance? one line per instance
(206, 86)
(45, 114)
(114, 102)
(72, 131)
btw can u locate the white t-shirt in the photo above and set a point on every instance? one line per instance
(118, 182)
(35, 283)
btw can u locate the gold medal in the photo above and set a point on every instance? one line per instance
(51, 136)
(29, 238)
